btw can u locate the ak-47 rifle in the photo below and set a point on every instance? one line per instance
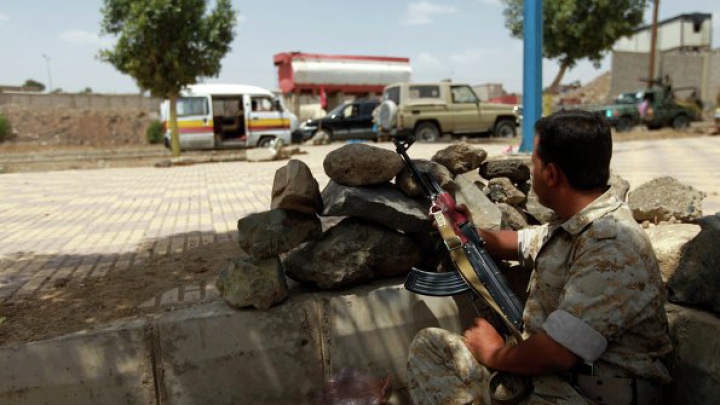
(476, 270)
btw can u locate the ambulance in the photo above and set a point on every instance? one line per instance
(216, 116)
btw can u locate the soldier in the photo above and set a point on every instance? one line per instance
(595, 322)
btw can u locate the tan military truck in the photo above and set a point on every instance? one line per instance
(428, 110)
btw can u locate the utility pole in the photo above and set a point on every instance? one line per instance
(47, 60)
(532, 71)
(653, 44)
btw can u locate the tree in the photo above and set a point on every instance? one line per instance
(166, 45)
(34, 83)
(579, 29)
(86, 90)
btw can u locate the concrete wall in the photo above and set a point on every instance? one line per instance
(701, 70)
(83, 101)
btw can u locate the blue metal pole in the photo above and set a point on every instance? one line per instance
(532, 71)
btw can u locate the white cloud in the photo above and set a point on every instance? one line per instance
(491, 2)
(241, 19)
(473, 56)
(421, 12)
(427, 60)
(84, 37)
(3, 17)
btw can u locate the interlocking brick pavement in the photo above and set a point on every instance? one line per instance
(62, 227)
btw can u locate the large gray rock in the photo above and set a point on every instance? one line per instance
(668, 241)
(697, 278)
(460, 158)
(468, 191)
(351, 253)
(512, 218)
(411, 188)
(270, 233)
(501, 190)
(539, 212)
(619, 186)
(693, 362)
(663, 198)
(295, 189)
(517, 170)
(358, 164)
(383, 204)
(253, 283)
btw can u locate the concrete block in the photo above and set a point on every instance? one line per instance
(694, 362)
(370, 328)
(213, 354)
(110, 366)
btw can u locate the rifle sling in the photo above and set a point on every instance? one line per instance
(465, 268)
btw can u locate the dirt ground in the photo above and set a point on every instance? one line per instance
(68, 307)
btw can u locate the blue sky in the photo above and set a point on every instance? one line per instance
(460, 39)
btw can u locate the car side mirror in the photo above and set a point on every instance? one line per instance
(278, 105)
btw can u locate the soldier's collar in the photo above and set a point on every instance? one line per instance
(604, 204)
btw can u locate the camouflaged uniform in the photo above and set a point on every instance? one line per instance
(596, 290)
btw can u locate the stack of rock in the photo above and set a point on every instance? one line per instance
(371, 220)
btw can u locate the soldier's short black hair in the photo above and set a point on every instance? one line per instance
(580, 144)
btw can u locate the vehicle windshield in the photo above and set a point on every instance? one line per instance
(188, 106)
(337, 110)
(628, 98)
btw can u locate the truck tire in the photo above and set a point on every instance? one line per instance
(504, 129)
(680, 121)
(427, 132)
(624, 124)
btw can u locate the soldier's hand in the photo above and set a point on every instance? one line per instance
(463, 209)
(483, 341)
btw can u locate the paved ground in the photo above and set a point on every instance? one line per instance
(77, 224)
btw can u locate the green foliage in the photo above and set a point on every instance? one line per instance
(34, 83)
(86, 90)
(154, 132)
(579, 29)
(166, 45)
(5, 128)
(58, 90)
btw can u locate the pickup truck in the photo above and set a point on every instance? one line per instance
(664, 110)
(428, 110)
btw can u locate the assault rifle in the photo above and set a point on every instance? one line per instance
(475, 269)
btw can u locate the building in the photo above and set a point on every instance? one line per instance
(683, 53)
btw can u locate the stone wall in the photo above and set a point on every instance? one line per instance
(701, 70)
(98, 102)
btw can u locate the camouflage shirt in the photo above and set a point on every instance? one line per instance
(596, 289)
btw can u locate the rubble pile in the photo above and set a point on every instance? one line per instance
(371, 221)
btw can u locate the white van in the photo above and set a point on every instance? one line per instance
(213, 116)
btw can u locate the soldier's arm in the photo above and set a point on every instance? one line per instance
(502, 245)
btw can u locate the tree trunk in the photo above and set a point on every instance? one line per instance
(558, 78)
(174, 136)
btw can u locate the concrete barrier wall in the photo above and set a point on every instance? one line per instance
(105, 102)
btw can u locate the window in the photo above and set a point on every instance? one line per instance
(463, 95)
(188, 106)
(424, 92)
(393, 93)
(262, 104)
(350, 111)
(367, 108)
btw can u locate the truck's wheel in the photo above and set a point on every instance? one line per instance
(427, 132)
(504, 129)
(681, 121)
(624, 124)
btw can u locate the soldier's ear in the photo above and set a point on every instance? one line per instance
(553, 175)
